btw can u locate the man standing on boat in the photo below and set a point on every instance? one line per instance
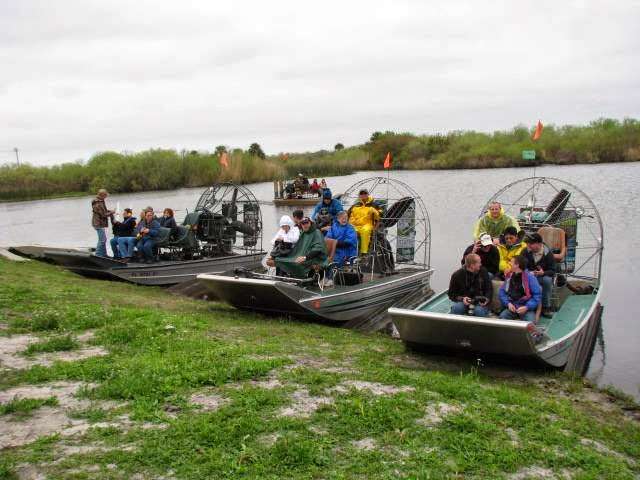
(488, 252)
(520, 293)
(494, 222)
(542, 264)
(364, 217)
(326, 211)
(470, 288)
(100, 220)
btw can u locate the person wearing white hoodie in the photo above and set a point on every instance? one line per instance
(283, 241)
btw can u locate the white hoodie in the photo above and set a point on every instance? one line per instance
(291, 236)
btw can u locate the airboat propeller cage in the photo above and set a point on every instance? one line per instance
(549, 202)
(227, 217)
(404, 219)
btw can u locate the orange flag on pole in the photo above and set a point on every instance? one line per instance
(224, 160)
(538, 132)
(387, 160)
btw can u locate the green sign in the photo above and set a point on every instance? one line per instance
(528, 154)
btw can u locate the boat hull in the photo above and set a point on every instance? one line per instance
(337, 305)
(492, 335)
(159, 273)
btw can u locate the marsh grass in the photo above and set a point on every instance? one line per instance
(22, 407)
(220, 351)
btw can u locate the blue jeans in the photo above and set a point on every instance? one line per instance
(101, 247)
(546, 283)
(114, 247)
(459, 308)
(145, 245)
(529, 316)
(126, 245)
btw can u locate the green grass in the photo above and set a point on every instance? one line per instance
(61, 343)
(24, 406)
(151, 373)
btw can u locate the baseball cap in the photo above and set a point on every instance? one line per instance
(485, 239)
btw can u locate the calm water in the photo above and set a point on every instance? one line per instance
(453, 199)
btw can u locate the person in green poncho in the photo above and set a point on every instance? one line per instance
(494, 223)
(309, 251)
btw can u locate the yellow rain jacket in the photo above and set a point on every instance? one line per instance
(364, 217)
(507, 253)
(494, 226)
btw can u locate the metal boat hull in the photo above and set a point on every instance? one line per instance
(339, 304)
(491, 335)
(159, 273)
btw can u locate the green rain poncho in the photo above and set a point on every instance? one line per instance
(310, 245)
(494, 226)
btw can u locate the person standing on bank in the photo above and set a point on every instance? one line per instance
(470, 288)
(100, 220)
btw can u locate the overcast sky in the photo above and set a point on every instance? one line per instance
(83, 76)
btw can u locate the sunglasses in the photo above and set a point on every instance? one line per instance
(305, 221)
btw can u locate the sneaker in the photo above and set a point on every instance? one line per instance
(546, 312)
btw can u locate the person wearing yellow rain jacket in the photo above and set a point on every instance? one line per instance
(364, 217)
(494, 222)
(511, 248)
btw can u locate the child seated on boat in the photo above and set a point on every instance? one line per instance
(470, 288)
(309, 251)
(520, 293)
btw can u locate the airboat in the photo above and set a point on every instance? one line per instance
(570, 225)
(395, 270)
(224, 231)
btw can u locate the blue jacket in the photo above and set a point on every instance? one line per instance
(154, 227)
(347, 241)
(532, 292)
(334, 208)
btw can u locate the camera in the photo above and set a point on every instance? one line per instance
(477, 300)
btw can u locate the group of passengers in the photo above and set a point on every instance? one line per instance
(300, 243)
(129, 237)
(301, 186)
(501, 251)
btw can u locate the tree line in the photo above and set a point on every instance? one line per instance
(603, 140)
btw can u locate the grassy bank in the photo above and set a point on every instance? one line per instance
(157, 386)
(604, 140)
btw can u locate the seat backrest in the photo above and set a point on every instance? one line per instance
(331, 245)
(554, 238)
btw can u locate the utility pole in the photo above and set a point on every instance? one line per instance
(15, 149)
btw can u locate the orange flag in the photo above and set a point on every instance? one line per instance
(224, 160)
(538, 132)
(387, 160)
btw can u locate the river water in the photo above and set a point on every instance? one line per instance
(453, 199)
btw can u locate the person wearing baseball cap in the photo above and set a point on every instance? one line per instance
(487, 251)
(364, 216)
(542, 264)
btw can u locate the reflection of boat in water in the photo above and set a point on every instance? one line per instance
(397, 269)
(570, 225)
(223, 232)
(286, 193)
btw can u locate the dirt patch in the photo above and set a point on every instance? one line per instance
(366, 444)
(304, 405)
(11, 347)
(533, 472)
(208, 402)
(599, 447)
(372, 387)
(435, 413)
(269, 439)
(268, 384)
(63, 391)
(513, 436)
(25, 471)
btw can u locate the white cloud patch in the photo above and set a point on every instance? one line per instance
(82, 76)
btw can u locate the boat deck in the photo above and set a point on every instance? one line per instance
(563, 322)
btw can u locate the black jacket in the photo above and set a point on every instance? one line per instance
(167, 222)
(125, 228)
(490, 260)
(547, 262)
(466, 284)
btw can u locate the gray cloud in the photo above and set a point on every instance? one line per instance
(83, 76)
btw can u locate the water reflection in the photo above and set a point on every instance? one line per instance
(453, 199)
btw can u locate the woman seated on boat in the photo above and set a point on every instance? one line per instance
(285, 238)
(326, 211)
(167, 219)
(315, 187)
(512, 247)
(308, 252)
(345, 235)
(122, 233)
(494, 222)
(146, 233)
(364, 217)
(470, 288)
(520, 294)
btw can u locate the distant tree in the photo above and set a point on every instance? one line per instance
(375, 136)
(338, 146)
(220, 149)
(256, 151)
